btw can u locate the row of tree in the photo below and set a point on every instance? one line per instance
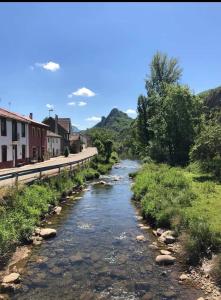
(173, 125)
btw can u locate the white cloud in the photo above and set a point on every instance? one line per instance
(84, 92)
(50, 66)
(93, 119)
(71, 103)
(50, 106)
(130, 111)
(70, 96)
(82, 103)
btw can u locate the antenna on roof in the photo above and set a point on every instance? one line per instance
(50, 109)
(9, 105)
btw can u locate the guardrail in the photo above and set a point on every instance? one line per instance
(40, 170)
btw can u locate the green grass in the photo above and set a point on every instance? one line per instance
(184, 200)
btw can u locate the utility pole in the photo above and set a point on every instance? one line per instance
(9, 105)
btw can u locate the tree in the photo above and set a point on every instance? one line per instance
(108, 145)
(207, 147)
(100, 146)
(142, 120)
(163, 70)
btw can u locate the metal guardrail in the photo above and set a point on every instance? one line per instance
(17, 174)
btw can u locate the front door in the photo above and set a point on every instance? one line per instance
(14, 155)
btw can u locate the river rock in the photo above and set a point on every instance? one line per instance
(165, 252)
(160, 231)
(139, 218)
(165, 259)
(142, 285)
(148, 296)
(154, 247)
(140, 238)
(183, 277)
(47, 233)
(87, 296)
(76, 258)
(57, 210)
(167, 237)
(12, 278)
(169, 294)
(145, 227)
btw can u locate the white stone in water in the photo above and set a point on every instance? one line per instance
(57, 210)
(47, 232)
(165, 252)
(165, 259)
(183, 277)
(140, 238)
(11, 278)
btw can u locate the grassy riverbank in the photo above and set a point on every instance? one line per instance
(184, 200)
(23, 208)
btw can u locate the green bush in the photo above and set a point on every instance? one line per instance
(66, 152)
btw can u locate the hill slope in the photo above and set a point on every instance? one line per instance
(212, 98)
(116, 120)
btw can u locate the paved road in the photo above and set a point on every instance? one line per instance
(53, 161)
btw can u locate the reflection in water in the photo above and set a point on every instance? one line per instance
(95, 254)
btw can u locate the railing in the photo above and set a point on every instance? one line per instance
(40, 170)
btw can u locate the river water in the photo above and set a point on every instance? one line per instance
(95, 254)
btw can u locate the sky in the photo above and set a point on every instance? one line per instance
(83, 59)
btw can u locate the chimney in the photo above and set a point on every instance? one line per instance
(31, 115)
(56, 124)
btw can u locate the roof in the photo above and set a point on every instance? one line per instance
(15, 116)
(11, 115)
(52, 134)
(65, 123)
(35, 122)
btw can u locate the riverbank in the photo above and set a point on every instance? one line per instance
(23, 208)
(188, 203)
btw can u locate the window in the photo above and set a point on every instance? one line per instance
(38, 132)
(42, 151)
(23, 129)
(3, 127)
(34, 154)
(48, 140)
(14, 131)
(23, 151)
(4, 153)
(33, 131)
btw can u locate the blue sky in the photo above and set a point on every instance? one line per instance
(50, 51)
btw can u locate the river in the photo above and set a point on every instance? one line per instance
(95, 254)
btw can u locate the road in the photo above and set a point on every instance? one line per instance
(90, 151)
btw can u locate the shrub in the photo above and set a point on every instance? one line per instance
(66, 152)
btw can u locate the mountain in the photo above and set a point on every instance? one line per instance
(74, 129)
(116, 120)
(212, 98)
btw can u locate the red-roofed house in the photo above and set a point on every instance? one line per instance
(37, 139)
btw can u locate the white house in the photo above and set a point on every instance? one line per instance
(14, 145)
(53, 144)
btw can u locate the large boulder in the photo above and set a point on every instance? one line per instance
(12, 278)
(47, 233)
(165, 259)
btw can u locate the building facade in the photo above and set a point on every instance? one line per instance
(37, 139)
(53, 144)
(14, 139)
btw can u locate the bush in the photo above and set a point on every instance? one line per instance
(66, 152)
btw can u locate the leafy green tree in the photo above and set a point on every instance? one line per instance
(108, 147)
(99, 145)
(142, 120)
(163, 70)
(207, 147)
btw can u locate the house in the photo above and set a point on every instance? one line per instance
(66, 124)
(75, 143)
(37, 139)
(14, 139)
(53, 144)
(63, 131)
